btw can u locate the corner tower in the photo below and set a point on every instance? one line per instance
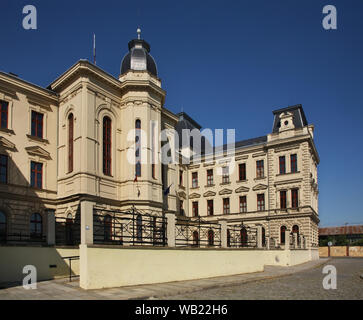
(141, 104)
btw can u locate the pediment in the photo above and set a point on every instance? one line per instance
(194, 195)
(225, 191)
(182, 194)
(209, 194)
(5, 143)
(242, 189)
(259, 186)
(38, 151)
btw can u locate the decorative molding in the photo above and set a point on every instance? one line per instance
(260, 154)
(242, 158)
(194, 195)
(209, 194)
(259, 186)
(6, 144)
(38, 151)
(182, 194)
(225, 191)
(242, 189)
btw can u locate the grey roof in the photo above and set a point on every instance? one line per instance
(297, 111)
(139, 58)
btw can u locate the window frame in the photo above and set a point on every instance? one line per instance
(195, 179)
(260, 170)
(242, 174)
(210, 177)
(226, 206)
(6, 112)
(261, 202)
(70, 142)
(242, 204)
(225, 175)
(283, 199)
(294, 198)
(107, 145)
(293, 163)
(36, 122)
(34, 183)
(195, 209)
(210, 207)
(6, 166)
(282, 164)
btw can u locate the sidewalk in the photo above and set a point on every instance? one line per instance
(61, 289)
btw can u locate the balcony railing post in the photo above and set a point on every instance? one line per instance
(170, 227)
(287, 239)
(223, 224)
(301, 241)
(295, 240)
(259, 236)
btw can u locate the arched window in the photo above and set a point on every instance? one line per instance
(70, 142)
(211, 237)
(107, 228)
(2, 226)
(228, 238)
(263, 237)
(69, 227)
(282, 234)
(295, 229)
(244, 237)
(139, 227)
(107, 146)
(138, 148)
(36, 226)
(195, 239)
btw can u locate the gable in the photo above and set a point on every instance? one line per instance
(259, 187)
(38, 151)
(225, 191)
(242, 189)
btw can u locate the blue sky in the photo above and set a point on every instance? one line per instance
(226, 63)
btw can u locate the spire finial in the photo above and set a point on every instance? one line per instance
(138, 33)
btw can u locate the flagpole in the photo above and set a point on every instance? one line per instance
(94, 48)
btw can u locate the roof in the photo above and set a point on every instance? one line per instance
(299, 117)
(332, 231)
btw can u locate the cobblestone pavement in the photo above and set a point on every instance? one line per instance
(297, 282)
(306, 285)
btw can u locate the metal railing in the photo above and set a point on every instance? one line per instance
(23, 233)
(128, 228)
(197, 233)
(70, 259)
(241, 236)
(67, 231)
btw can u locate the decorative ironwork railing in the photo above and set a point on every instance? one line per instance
(197, 233)
(128, 228)
(23, 233)
(67, 231)
(241, 236)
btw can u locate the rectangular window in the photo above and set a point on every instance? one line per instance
(293, 159)
(243, 204)
(180, 177)
(283, 199)
(210, 207)
(294, 198)
(242, 171)
(4, 114)
(259, 169)
(36, 174)
(195, 209)
(210, 177)
(282, 165)
(225, 205)
(261, 202)
(37, 124)
(194, 179)
(3, 168)
(225, 175)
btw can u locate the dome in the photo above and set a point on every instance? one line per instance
(139, 58)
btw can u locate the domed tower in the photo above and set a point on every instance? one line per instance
(141, 108)
(138, 58)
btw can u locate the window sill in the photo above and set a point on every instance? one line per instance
(209, 185)
(241, 181)
(225, 183)
(286, 173)
(260, 178)
(192, 188)
(37, 139)
(6, 130)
